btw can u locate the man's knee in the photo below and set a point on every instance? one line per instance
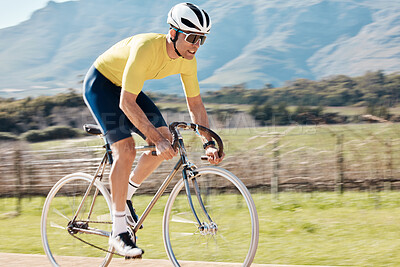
(124, 150)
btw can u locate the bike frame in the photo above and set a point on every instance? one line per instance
(188, 173)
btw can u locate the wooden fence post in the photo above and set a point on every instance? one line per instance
(340, 164)
(275, 169)
(18, 177)
(387, 184)
(29, 175)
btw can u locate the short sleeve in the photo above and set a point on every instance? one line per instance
(189, 79)
(134, 74)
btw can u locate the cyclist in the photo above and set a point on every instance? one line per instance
(113, 93)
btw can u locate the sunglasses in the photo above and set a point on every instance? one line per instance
(193, 38)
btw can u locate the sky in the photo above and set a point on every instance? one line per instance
(12, 12)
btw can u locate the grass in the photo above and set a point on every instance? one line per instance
(182, 107)
(67, 143)
(243, 139)
(341, 110)
(320, 138)
(355, 229)
(350, 110)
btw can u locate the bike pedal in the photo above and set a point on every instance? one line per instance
(133, 258)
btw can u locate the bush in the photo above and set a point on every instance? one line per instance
(51, 133)
(4, 136)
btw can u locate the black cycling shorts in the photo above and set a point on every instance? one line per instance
(103, 98)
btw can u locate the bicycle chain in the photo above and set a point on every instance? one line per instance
(97, 247)
(90, 244)
(95, 222)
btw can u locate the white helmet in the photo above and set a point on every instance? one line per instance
(189, 17)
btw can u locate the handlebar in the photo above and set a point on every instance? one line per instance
(195, 127)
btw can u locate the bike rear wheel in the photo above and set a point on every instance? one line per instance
(233, 238)
(61, 238)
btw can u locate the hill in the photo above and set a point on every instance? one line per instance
(256, 42)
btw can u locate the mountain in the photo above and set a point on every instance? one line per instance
(254, 42)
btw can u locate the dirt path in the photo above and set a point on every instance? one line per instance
(22, 260)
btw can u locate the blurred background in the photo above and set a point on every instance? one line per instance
(305, 95)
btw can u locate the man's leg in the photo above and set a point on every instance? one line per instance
(123, 154)
(147, 162)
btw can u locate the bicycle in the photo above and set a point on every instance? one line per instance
(219, 224)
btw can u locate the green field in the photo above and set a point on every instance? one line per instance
(341, 110)
(245, 139)
(355, 137)
(355, 229)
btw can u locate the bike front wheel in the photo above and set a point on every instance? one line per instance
(229, 223)
(84, 236)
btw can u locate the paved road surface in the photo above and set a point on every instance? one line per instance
(22, 260)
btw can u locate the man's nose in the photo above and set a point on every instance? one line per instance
(197, 44)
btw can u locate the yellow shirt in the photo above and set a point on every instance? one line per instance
(132, 61)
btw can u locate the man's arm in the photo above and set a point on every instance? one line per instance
(198, 112)
(136, 115)
(199, 115)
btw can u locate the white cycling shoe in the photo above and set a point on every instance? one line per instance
(124, 245)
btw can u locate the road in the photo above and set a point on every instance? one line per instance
(22, 260)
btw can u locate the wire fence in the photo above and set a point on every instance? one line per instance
(271, 161)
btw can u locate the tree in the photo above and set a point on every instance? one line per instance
(263, 113)
(281, 115)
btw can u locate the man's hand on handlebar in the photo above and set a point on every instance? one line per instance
(212, 154)
(165, 150)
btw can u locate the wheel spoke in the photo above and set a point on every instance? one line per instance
(229, 237)
(81, 239)
(62, 215)
(178, 219)
(55, 225)
(186, 234)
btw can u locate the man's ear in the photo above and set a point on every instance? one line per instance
(172, 34)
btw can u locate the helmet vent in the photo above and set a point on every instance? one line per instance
(197, 12)
(207, 18)
(189, 23)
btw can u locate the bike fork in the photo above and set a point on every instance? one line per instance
(189, 196)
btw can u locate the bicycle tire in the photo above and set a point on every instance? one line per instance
(59, 208)
(231, 207)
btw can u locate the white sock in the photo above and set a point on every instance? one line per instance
(119, 223)
(132, 187)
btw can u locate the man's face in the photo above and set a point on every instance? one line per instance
(187, 50)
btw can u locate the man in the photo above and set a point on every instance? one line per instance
(112, 91)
